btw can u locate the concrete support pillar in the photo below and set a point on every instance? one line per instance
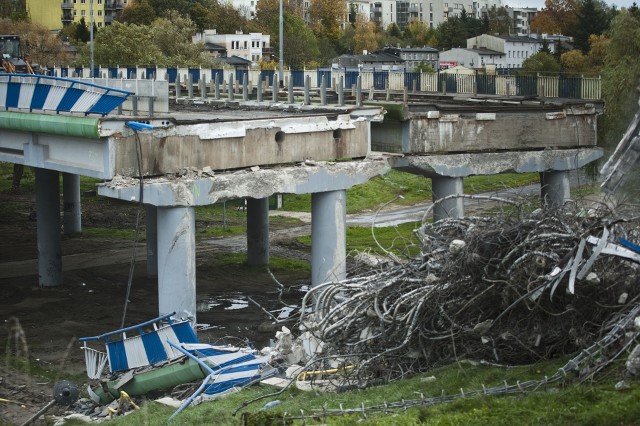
(72, 219)
(48, 227)
(443, 186)
(152, 240)
(177, 262)
(554, 188)
(328, 236)
(258, 231)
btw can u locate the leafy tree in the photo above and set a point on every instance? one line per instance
(365, 35)
(423, 67)
(498, 20)
(575, 62)
(39, 44)
(140, 13)
(162, 6)
(545, 46)
(83, 33)
(327, 17)
(172, 36)
(591, 18)
(300, 44)
(621, 73)
(418, 34)
(346, 42)
(393, 30)
(542, 63)
(222, 16)
(599, 45)
(268, 14)
(557, 17)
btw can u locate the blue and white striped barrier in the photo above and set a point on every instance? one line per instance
(44, 93)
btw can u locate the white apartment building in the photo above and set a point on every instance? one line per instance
(246, 7)
(247, 46)
(521, 17)
(505, 51)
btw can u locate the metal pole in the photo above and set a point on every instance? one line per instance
(281, 59)
(91, 33)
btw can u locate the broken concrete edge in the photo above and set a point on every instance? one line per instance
(196, 188)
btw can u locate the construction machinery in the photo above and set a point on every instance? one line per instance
(13, 59)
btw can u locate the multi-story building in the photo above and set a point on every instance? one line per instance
(504, 51)
(246, 7)
(250, 46)
(521, 18)
(414, 56)
(56, 14)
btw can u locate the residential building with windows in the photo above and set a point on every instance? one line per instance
(414, 56)
(247, 8)
(57, 14)
(521, 17)
(250, 46)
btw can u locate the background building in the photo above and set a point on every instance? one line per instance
(250, 46)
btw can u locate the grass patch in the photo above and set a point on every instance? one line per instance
(113, 233)
(239, 261)
(34, 369)
(595, 403)
(414, 189)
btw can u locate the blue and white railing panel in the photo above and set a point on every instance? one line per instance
(43, 93)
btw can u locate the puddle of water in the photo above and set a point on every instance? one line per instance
(231, 302)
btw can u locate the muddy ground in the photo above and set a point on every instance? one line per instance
(45, 323)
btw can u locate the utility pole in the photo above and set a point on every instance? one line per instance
(281, 60)
(91, 33)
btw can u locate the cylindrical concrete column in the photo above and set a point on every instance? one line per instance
(177, 262)
(328, 237)
(72, 219)
(152, 240)
(443, 186)
(258, 231)
(48, 227)
(554, 188)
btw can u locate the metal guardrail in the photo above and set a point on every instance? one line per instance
(586, 88)
(47, 93)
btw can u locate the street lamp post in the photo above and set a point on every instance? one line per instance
(281, 62)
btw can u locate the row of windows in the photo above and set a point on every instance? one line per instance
(518, 54)
(255, 44)
(84, 13)
(419, 56)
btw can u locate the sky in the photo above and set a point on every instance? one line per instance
(539, 4)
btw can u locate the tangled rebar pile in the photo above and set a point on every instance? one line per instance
(510, 288)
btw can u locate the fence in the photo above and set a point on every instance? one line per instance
(474, 84)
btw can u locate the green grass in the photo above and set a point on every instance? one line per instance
(33, 369)
(238, 261)
(413, 189)
(593, 403)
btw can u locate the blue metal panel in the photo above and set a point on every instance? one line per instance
(132, 72)
(172, 73)
(449, 81)
(219, 73)
(350, 78)
(526, 85)
(195, 74)
(112, 72)
(117, 356)
(40, 94)
(184, 332)
(96, 72)
(298, 78)
(327, 78)
(69, 99)
(151, 73)
(569, 87)
(50, 70)
(268, 76)
(13, 94)
(410, 78)
(380, 79)
(105, 104)
(79, 71)
(240, 75)
(486, 84)
(64, 72)
(153, 347)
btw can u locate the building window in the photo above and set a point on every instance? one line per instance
(99, 24)
(99, 13)
(83, 13)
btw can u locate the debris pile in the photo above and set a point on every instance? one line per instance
(512, 288)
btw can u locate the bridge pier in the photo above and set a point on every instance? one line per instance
(152, 239)
(554, 188)
(443, 186)
(48, 227)
(328, 236)
(72, 219)
(177, 261)
(258, 231)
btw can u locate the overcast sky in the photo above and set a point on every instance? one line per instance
(540, 3)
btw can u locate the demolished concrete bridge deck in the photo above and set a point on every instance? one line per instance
(253, 151)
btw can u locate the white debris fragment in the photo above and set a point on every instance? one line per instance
(633, 362)
(636, 323)
(255, 168)
(623, 298)
(456, 246)
(592, 278)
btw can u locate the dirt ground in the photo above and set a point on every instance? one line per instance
(45, 323)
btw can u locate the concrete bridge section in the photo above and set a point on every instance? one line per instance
(449, 139)
(254, 151)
